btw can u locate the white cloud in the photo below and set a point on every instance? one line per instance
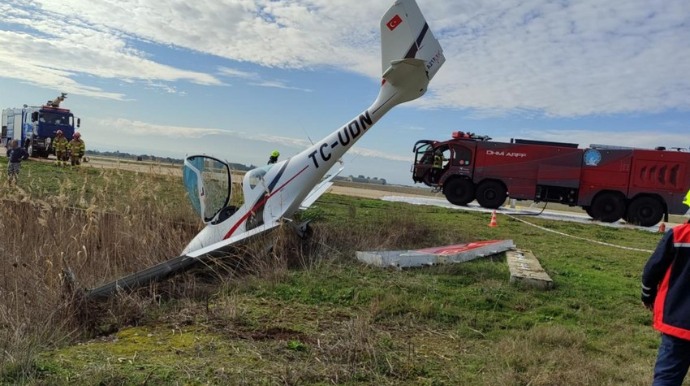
(256, 79)
(59, 49)
(234, 73)
(165, 88)
(278, 84)
(565, 59)
(535, 57)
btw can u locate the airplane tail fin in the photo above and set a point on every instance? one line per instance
(405, 35)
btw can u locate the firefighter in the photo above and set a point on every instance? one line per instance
(77, 149)
(274, 157)
(60, 145)
(665, 281)
(437, 166)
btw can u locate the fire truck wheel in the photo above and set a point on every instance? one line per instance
(491, 194)
(608, 207)
(459, 191)
(645, 211)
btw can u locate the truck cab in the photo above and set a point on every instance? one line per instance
(41, 128)
(423, 161)
(455, 156)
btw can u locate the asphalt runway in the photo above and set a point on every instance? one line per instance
(524, 212)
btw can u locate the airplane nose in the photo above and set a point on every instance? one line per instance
(193, 245)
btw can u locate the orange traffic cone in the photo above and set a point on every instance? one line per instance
(493, 222)
(662, 228)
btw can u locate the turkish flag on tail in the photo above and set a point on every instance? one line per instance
(394, 22)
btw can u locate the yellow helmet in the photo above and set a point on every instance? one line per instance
(275, 153)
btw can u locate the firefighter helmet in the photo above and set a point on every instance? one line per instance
(59, 132)
(77, 135)
(275, 153)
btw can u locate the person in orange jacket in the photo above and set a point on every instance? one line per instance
(666, 292)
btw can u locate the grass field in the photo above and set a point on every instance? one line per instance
(308, 312)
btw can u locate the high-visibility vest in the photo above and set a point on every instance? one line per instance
(60, 144)
(438, 161)
(77, 147)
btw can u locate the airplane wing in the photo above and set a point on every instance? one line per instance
(319, 190)
(224, 244)
(184, 262)
(162, 271)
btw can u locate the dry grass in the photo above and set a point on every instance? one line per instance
(55, 246)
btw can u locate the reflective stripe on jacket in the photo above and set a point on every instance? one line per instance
(76, 146)
(60, 144)
(438, 161)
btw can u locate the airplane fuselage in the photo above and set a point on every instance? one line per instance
(280, 191)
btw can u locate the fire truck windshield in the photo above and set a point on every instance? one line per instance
(56, 119)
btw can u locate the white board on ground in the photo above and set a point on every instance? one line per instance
(458, 253)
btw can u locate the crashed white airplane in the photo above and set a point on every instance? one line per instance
(410, 55)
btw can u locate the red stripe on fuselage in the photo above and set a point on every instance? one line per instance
(260, 203)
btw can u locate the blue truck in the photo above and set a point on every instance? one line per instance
(35, 127)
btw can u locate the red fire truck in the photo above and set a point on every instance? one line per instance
(642, 186)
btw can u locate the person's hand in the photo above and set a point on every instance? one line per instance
(649, 306)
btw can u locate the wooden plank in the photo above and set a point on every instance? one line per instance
(525, 268)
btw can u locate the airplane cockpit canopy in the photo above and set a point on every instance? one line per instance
(254, 187)
(254, 178)
(208, 183)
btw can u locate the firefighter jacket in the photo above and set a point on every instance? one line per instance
(60, 144)
(666, 283)
(77, 147)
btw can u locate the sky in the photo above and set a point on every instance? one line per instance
(239, 78)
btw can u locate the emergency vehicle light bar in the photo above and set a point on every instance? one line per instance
(463, 135)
